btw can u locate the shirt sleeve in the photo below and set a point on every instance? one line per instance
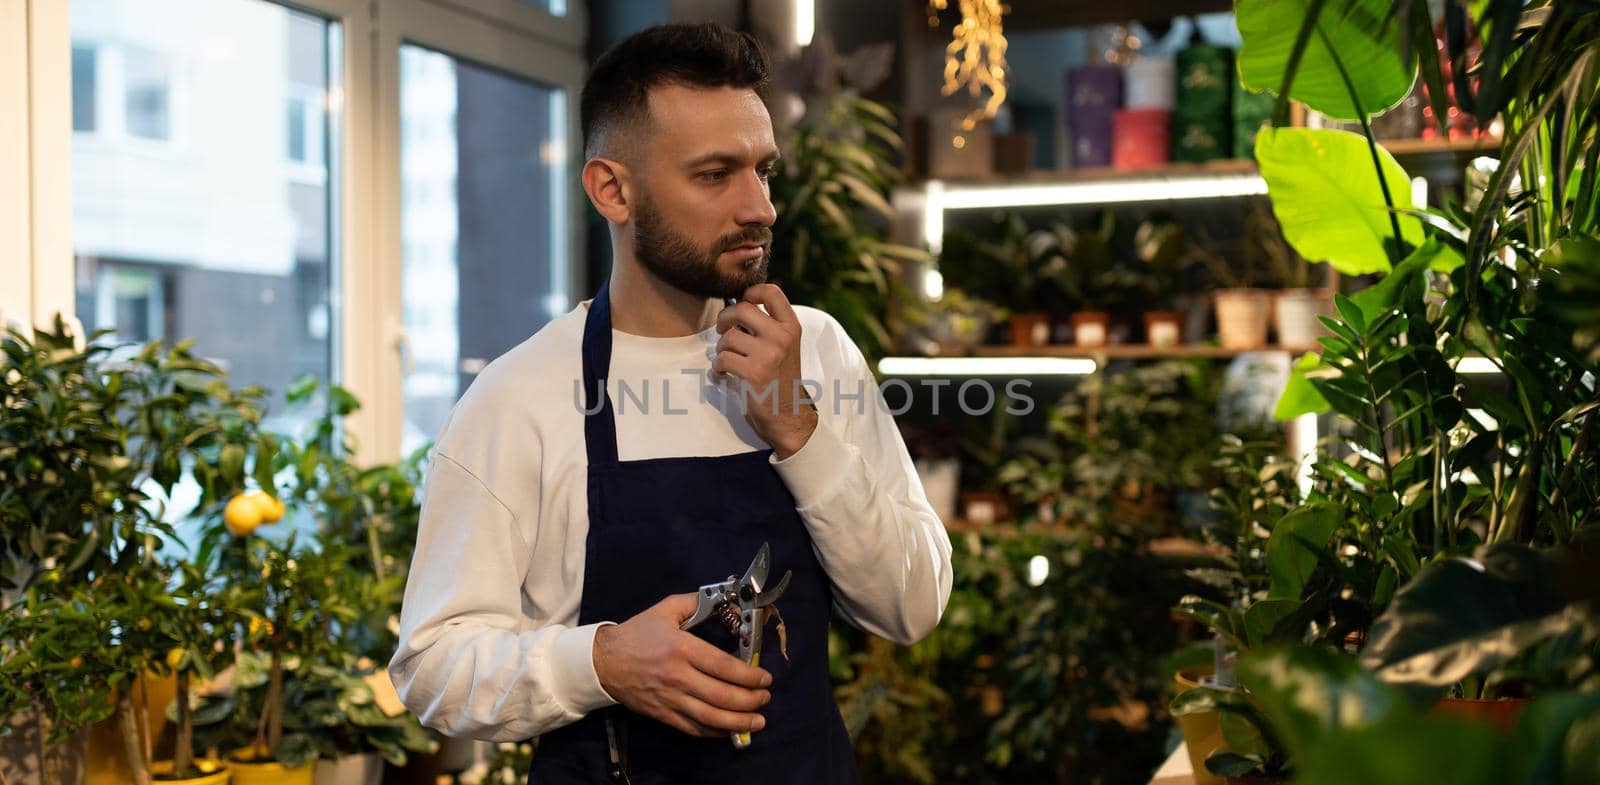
(857, 490)
(467, 664)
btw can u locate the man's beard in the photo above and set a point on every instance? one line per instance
(676, 260)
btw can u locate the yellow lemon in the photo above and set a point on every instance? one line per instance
(173, 657)
(241, 516)
(271, 506)
(257, 625)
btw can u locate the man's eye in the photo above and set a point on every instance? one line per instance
(766, 171)
(713, 177)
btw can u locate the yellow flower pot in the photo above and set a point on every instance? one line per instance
(1202, 733)
(247, 771)
(214, 772)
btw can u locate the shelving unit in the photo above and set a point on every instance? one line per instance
(1119, 351)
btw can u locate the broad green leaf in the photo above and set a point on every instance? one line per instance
(1406, 750)
(1307, 693)
(1288, 559)
(1300, 396)
(1371, 52)
(1261, 620)
(1325, 194)
(1464, 617)
(1384, 295)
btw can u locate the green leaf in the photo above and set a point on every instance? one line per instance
(1262, 619)
(1325, 194)
(1306, 693)
(1300, 396)
(1406, 750)
(1385, 295)
(1289, 561)
(1371, 51)
(1464, 617)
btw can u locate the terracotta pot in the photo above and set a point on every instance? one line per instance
(1297, 312)
(1500, 714)
(1163, 328)
(1030, 329)
(249, 769)
(982, 508)
(214, 772)
(1242, 317)
(1202, 733)
(1090, 328)
(363, 769)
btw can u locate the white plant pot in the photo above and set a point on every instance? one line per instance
(941, 481)
(1298, 310)
(1242, 317)
(363, 769)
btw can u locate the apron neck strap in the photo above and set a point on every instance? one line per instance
(599, 426)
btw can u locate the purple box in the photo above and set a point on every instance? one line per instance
(1094, 93)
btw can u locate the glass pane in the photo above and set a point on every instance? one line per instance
(192, 216)
(483, 217)
(83, 88)
(556, 7)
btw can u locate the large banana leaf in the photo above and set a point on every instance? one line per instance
(1325, 194)
(1371, 51)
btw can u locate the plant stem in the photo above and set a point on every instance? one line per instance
(1372, 146)
(130, 740)
(183, 754)
(275, 702)
(141, 705)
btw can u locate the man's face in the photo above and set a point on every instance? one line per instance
(703, 222)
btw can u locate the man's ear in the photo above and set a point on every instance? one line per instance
(609, 187)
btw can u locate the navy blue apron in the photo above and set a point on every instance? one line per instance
(666, 526)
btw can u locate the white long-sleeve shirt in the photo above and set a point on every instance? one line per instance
(489, 642)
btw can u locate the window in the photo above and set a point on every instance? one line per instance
(483, 222)
(216, 239)
(148, 94)
(205, 190)
(84, 81)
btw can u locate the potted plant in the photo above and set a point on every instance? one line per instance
(1159, 246)
(1078, 269)
(956, 321)
(1239, 276)
(1301, 302)
(1427, 480)
(831, 192)
(302, 597)
(94, 437)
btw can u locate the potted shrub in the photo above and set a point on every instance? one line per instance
(1239, 277)
(1159, 247)
(1300, 302)
(93, 437)
(1427, 480)
(302, 597)
(1078, 269)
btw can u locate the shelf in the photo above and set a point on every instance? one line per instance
(1118, 351)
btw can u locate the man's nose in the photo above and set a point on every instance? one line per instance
(755, 202)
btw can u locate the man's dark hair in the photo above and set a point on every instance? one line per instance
(616, 94)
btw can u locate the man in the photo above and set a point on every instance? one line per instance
(650, 441)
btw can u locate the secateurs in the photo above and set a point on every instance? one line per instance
(742, 604)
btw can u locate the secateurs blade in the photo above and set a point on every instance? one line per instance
(742, 604)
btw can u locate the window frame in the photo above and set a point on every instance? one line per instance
(37, 266)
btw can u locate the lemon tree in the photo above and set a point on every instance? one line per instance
(298, 600)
